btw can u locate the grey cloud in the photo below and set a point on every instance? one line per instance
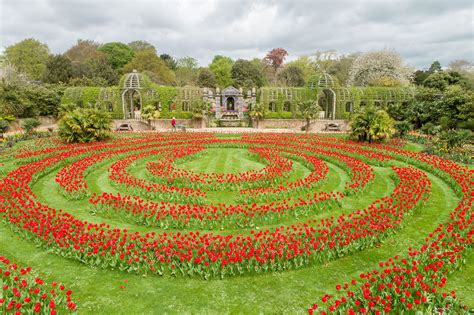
(421, 30)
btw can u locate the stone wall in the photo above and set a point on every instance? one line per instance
(316, 126)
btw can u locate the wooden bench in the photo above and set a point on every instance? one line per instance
(332, 127)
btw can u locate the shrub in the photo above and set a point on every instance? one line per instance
(29, 124)
(402, 127)
(85, 125)
(371, 124)
(454, 138)
(4, 125)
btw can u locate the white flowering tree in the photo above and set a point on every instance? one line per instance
(380, 68)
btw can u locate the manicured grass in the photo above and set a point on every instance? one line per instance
(100, 291)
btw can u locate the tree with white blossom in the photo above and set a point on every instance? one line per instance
(380, 68)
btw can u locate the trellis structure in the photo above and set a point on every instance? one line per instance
(136, 91)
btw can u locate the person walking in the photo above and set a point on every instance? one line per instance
(173, 124)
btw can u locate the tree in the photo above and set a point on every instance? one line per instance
(420, 76)
(276, 57)
(58, 69)
(246, 74)
(258, 112)
(28, 56)
(309, 110)
(140, 45)
(14, 100)
(440, 80)
(305, 64)
(118, 54)
(169, 61)
(206, 78)
(341, 68)
(221, 66)
(147, 60)
(292, 75)
(83, 51)
(435, 67)
(186, 72)
(268, 75)
(371, 124)
(379, 66)
(29, 124)
(85, 125)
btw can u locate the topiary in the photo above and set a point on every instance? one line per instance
(85, 125)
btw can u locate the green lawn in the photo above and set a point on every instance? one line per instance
(99, 291)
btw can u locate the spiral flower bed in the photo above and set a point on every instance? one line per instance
(214, 225)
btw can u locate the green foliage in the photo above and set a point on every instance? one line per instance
(246, 74)
(4, 126)
(308, 109)
(149, 112)
(29, 124)
(305, 64)
(167, 96)
(200, 108)
(291, 75)
(221, 66)
(206, 78)
(258, 112)
(169, 61)
(402, 127)
(186, 71)
(14, 101)
(140, 45)
(155, 67)
(371, 125)
(83, 51)
(58, 69)
(85, 125)
(118, 54)
(439, 80)
(452, 138)
(28, 56)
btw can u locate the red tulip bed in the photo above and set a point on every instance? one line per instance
(273, 220)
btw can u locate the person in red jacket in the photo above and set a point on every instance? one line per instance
(173, 124)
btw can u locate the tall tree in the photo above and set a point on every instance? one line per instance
(170, 61)
(246, 74)
(118, 54)
(380, 67)
(291, 75)
(140, 45)
(187, 71)
(147, 60)
(435, 67)
(28, 56)
(306, 65)
(83, 51)
(221, 66)
(58, 69)
(206, 78)
(276, 57)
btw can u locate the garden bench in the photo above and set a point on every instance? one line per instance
(332, 127)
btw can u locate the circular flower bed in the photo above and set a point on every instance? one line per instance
(275, 218)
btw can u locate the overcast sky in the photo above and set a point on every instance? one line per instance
(420, 30)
